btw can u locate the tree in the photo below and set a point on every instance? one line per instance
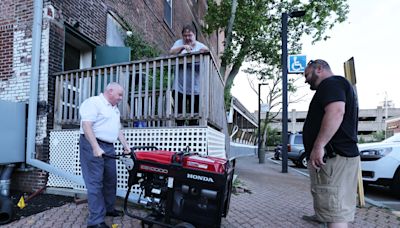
(378, 136)
(274, 101)
(252, 29)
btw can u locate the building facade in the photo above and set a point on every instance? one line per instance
(71, 32)
(392, 126)
(369, 121)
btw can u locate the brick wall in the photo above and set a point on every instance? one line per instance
(90, 15)
(6, 50)
(6, 38)
(16, 21)
(147, 18)
(89, 18)
(15, 49)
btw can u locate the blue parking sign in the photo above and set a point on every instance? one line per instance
(296, 64)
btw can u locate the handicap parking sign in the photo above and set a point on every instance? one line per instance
(296, 64)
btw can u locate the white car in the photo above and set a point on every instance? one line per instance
(380, 163)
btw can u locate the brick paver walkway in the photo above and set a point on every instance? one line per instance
(275, 200)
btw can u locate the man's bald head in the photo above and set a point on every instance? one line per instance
(113, 93)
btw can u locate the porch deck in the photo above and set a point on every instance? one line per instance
(149, 97)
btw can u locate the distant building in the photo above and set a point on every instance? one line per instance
(392, 126)
(369, 121)
(242, 124)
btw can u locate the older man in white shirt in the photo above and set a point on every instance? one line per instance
(100, 128)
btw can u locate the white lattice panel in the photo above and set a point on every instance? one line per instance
(64, 149)
(64, 154)
(215, 143)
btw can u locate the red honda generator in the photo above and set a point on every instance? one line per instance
(180, 186)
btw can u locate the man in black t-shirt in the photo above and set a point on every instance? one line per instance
(330, 142)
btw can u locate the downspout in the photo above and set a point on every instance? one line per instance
(6, 204)
(5, 179)
(33, 100)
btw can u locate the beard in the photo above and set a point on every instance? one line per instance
(313, 81)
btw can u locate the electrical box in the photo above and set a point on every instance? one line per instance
(12, 132)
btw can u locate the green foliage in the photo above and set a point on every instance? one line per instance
(378, 136)
(227, 98)
(361, 140)
(272, 135)
(139, 48)
(256, 34)
(274, 138)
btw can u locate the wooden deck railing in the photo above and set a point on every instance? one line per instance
(149, 97)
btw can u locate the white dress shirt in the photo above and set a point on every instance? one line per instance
(104, 116)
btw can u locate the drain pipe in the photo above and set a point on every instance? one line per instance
(6, 205)
(33, 100)
(5, 179)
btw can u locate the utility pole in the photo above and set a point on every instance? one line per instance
(284, 22)
(386, 113)
(261, 154)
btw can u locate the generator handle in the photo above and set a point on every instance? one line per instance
(143, 147)
(116, 156)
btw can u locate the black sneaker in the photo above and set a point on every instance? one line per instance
(100, 225)
(115, 213)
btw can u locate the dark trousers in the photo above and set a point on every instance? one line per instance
(100, 178)
(188, 105)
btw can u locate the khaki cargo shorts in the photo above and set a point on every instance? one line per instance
(334, 189)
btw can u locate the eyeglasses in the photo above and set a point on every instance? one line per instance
(318, 62)
(311, 62)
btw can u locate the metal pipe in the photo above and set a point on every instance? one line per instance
(33, 100)
(259, 124)
(5, 180)
(284, 21)
(34, 79)
(7, 171)
(6, 210)
(6, 205)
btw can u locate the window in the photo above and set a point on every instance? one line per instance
(116, 34)
(298, 139)
(168, 12)
(78, 50)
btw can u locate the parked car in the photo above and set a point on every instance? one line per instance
(380, 163)
(295, 150)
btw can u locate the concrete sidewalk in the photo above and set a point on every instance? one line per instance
(270, 199)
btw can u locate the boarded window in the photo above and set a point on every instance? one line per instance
(116, 34)
(168, 12)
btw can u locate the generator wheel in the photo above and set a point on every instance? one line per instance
(184, 225)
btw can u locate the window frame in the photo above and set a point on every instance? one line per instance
(169, 10)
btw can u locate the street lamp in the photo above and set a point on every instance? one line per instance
(284, 21)
(261, 155)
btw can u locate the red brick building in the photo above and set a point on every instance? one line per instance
(71, 32)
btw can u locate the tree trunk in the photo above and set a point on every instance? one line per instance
(265, 130)
(228, 38)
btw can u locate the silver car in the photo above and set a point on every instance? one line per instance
(295, 150)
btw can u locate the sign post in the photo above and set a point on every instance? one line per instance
(350, 74)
